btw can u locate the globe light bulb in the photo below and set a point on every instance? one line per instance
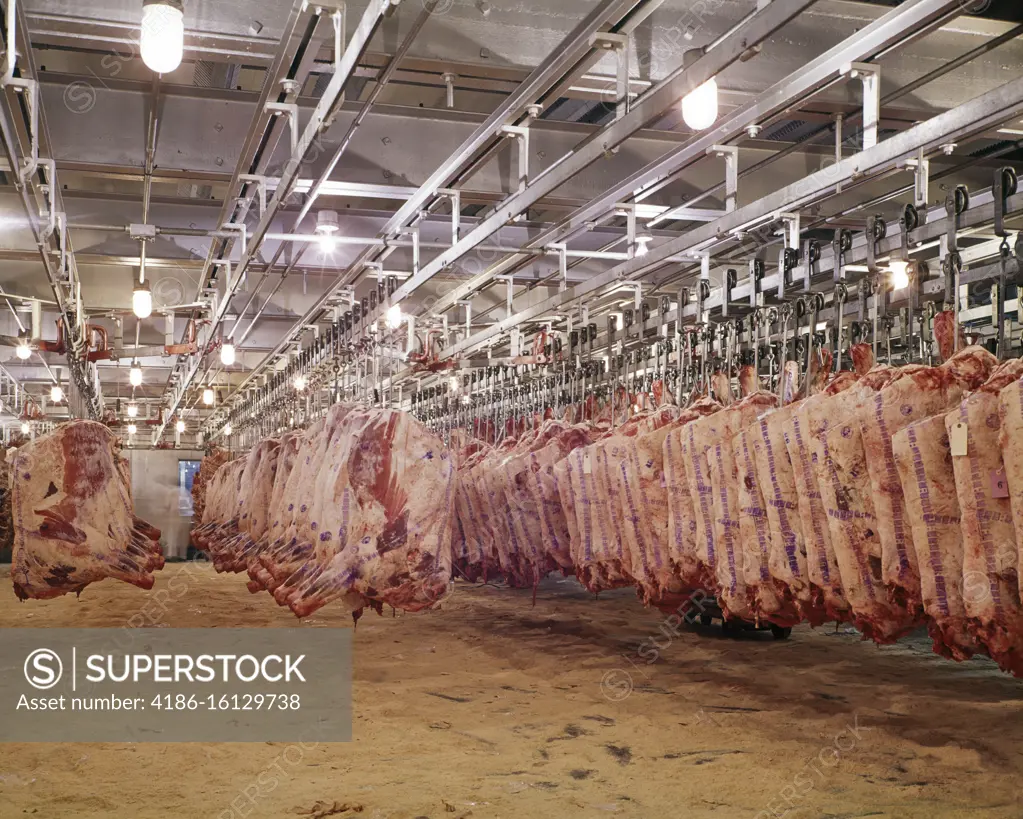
(900, 273)
(180, 426)
(56, 394)
(25, 428)
(142, 301)
(394, 317)
(208, 397)
(300, 383)
(23, 351)
(227, 353)
(700, 106)
(133, 410)
(227, 429)
(135, 375)
(327, 244)
(132, 429)
(163, 35)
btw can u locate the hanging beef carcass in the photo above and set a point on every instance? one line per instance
(204, 475)
(383, 527)
(478, 513)
(645, 499)
(775, 480)
(958, 564)
(294, 541)
(989, 584)
(250, 509)
(555, 524)
(588, 486)
(712, 475)
(221, 502)
(914, 397)
(73, 518)
(793, 570)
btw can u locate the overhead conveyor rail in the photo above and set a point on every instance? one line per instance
(360, 356)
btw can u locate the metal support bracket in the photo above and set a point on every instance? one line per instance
(455, 196)
(620, 44)
(870, 75)
(562, 250)
(521, 136)
(730, 153)
(260, 183)
(921, 180)
(290, 110)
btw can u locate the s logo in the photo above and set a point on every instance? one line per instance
(43, 668)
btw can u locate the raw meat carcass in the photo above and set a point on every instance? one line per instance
(924, 459)
(712, 475)
(775, 481)
(990, 580)
(520, 549)
(303, 497)
(916, 396)
(6, 506)
(384, 529)
(588, 483)
(224, 543)
(839, 463)
(73, 518)
(554, 523)
(642, 496)
(200, 483)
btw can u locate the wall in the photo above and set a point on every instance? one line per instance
(154, 485)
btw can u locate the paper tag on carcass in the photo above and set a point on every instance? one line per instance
(999, 486)
(957, 439)
(587, 466)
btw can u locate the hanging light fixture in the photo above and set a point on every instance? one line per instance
(25, 428)
(56, 394)
(208, 397)
(132, 429)
(227, 429)
(142, 300)
(900, 273)
(394, 316)
(326, 226)
(133, 410)
(135, 374)
(643, 241)
(699, 106)
(163, 34)
(300, 383)
(23, 351)
(180, 426)
(227, 353)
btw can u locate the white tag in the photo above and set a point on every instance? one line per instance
(958, 438)
(587, 466)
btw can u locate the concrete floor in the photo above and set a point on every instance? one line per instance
(574, 707)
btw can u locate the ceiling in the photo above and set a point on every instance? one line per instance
(102, 109)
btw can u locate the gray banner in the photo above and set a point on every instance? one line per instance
(175, 685)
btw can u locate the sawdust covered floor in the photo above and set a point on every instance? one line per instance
(495, 708)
